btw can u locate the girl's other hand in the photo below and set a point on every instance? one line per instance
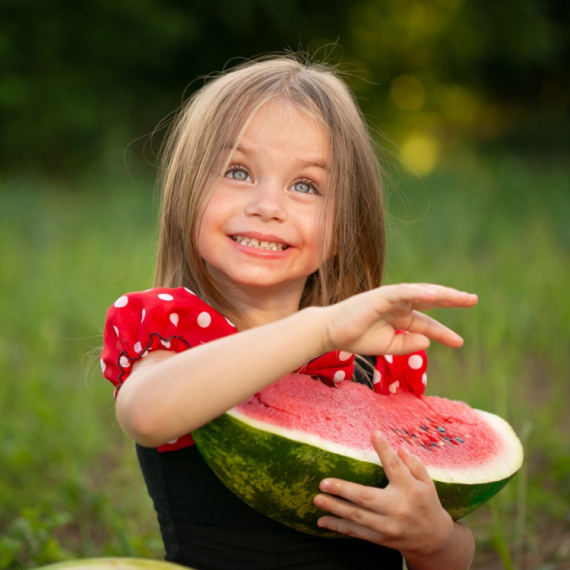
(406, 515)
(367, 323)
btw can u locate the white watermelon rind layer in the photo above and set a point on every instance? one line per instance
(494, 468)
(279, 476)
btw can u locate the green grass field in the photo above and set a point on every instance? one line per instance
(69, 482)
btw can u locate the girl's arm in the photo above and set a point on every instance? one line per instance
(168, 395)
(406, 515)
(456, 555)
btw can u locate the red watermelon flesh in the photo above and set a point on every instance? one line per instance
(442, 433)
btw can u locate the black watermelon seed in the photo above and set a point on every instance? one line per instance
(414, 435)
(425, 447)
(424, 428)
(459, 440)
(434, 444)
(440, 429)
(406, 432)
(447, 439)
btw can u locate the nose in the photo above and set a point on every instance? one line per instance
(267, 202)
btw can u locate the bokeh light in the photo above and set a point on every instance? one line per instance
(407, 92)
(420, 153)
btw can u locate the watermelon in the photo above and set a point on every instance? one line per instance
(114, 564)
(273, 449)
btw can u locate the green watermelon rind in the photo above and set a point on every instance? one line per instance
(113, 563)
(279, 477)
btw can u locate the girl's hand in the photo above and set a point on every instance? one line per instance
(367, 323)
(406, 515)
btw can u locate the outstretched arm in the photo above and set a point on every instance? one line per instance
(168, 395)
(407, 515)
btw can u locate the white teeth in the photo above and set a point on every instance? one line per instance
(252, 242)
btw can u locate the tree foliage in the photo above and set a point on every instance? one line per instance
(80, 78)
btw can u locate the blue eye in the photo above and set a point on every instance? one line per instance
(237, 174)
(304, 188)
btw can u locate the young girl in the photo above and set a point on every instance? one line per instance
(270, 260)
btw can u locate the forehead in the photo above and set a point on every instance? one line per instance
(279, 125)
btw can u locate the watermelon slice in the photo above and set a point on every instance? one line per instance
(114, 564)
(274, 449)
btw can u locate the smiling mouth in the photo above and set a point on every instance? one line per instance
(257, 244)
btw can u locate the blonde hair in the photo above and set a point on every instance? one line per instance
(200, 144)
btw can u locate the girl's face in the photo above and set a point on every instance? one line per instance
(261, 228)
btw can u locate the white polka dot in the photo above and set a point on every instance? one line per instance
(415, 361)
(173, 440)
(138, 347)
(165, 297)
(124, 362)
(144, 353)
(103, 366)
(343, 355)
(143, 315)
(230, 323)
(389, 358)
(165, 343)
(394, 387)
(116, 330)
(121, 301)
(338, 376)
(424, 379)
(377, 377)
(146, 290)
(174, 319)
(191, 292)
(204, 319)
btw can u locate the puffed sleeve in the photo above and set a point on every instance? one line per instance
(156, 319)
(407, 373)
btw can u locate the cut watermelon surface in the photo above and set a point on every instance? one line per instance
(274, 449)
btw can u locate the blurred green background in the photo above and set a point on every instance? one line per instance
(470, 105)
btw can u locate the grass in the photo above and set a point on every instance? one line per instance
(70, 485)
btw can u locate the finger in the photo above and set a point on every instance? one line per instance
(450, 297)
(453, 294)
(349, 511)
(397, 472)
(424, 296)
(350, 528)
(405, 294)
(416, 467)
(361, 495)
(411, 343)
(422, 325)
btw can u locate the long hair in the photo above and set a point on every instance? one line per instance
(199, 147)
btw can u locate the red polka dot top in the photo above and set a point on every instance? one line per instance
(177, 320)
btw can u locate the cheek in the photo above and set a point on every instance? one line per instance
(213, 214)
(206, 229)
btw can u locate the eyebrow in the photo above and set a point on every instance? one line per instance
(304, 163)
